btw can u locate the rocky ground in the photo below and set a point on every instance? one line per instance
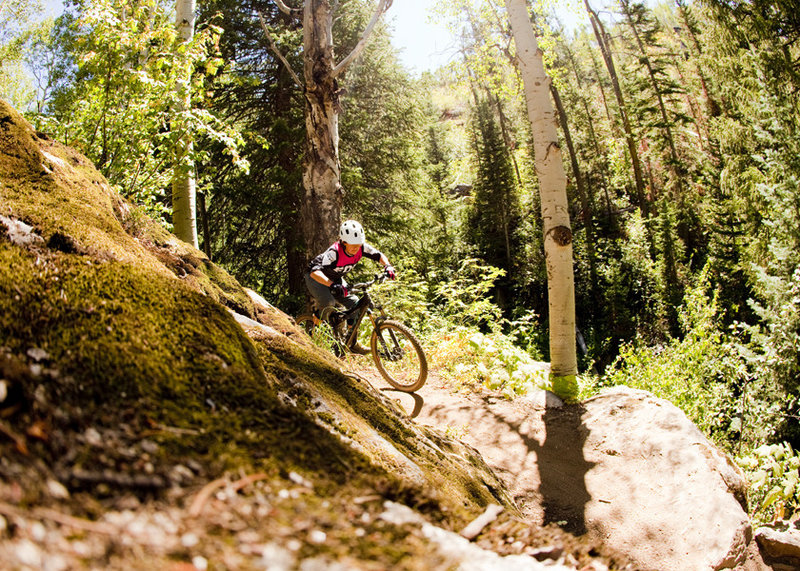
(100, 520)
(626, 471)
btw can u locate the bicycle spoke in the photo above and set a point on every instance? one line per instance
(322, 334)
(399, 356)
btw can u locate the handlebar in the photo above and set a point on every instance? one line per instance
(379, 278)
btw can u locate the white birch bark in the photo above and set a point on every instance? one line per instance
(184, 217)
(553, 190)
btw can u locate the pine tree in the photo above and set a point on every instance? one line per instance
(494, 212)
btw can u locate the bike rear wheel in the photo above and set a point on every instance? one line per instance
(399, 356)
(322, 333)
(306, 323)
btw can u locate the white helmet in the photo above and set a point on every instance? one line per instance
(351, 232)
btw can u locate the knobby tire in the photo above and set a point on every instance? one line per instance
(306, 323)
(399, 357)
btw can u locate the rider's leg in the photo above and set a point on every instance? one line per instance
(325, 300)
(322, 294)
(348, 302)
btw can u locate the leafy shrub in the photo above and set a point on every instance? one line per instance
(525, 331)
(772, 344)
(405, 299)
(464, 299)
(706, 374)
(492, 360)
(772, 471)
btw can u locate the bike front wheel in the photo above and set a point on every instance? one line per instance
(399, 356)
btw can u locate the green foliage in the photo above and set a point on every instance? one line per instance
(441, 214)
(491, 360)
(770, 26)
(406, 300)
(18, 33)
(700, 373)
(526, 331)
(324, 336)
(16, 20)
(121, 109)
(760, 170)
(778, 335)
(504, 366)
(774, 491)
(463, 297)
(382, 129)
(495, 211)
(252, 216)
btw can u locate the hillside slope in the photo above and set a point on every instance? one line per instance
(153, 416)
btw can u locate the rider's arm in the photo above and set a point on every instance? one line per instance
(319, 276)
(318, 266)
(387, 267)
(374, 254)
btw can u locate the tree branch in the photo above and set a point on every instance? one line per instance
(277, 51)
(286, 9)
(383, 6)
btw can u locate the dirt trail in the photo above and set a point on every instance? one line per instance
(543, 453)
(535, 450)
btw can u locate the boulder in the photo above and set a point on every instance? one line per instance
(781, 547)
(658, 489)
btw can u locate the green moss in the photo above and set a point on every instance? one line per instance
(116, 322)
(58, 191)
(133, 323)
(566, 388)
(174, 354)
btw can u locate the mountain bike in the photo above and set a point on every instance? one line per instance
(397, 353)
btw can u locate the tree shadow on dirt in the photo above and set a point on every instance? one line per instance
(560, 462)
(547, 441)
(417, 400)
(563, 468)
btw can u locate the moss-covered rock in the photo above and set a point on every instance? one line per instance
(125, 372)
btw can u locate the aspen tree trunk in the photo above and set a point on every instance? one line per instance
(184, 217)
(583, 195)
(555, 214)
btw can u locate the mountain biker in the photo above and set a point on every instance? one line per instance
(325, 275)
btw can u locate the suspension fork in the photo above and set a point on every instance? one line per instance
(376, 322)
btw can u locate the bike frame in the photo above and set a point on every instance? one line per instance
(390, 341)
(365, 306)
